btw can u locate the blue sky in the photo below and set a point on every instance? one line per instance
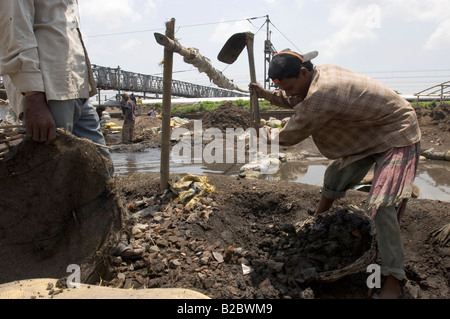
(403, 43)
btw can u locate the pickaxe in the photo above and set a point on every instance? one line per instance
(230, 52)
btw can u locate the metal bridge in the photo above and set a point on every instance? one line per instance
(118, 80)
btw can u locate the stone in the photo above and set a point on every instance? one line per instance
(174, 263)
(218, 256)
(275, 266)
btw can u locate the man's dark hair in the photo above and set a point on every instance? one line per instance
(287, 64)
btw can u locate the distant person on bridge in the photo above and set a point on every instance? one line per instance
(129, 119)
(357, 122)
(46, 70)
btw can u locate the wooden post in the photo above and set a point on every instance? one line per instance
(254, 104)
(166, 108)
(118, 82)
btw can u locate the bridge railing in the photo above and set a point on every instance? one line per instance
(116, 79)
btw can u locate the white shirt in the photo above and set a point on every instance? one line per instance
(41, 49)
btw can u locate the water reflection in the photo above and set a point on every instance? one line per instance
(433, 177)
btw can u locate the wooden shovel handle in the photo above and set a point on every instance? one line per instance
(254, 104)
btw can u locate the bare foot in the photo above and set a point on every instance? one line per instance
(391, 289)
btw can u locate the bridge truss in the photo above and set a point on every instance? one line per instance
(118, 80)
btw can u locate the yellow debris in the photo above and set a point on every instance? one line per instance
(190, 188)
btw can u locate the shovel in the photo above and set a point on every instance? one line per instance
(230, 52)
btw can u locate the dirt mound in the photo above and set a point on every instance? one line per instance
(146, 127)
(58, 207)
(438, 117)
(226, 116)
(146, 134)
(243, 244)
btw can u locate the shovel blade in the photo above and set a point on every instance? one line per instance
(233, 48)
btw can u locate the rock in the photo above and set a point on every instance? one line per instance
(158, 219)
(208, 283)
(138, 229)
(228, 255)
(174, 263)
(308, 293)
(153, 249)
(275, 266)
(309, 273)
(265, 284)
(149, 211)
(250, 174)
(218, 256)
(289, 228)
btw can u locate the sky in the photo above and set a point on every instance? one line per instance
(402, 43)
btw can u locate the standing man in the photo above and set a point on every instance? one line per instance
(133, 98)
(47, 71)
(129, 119)
(139, 105)
(357, 122)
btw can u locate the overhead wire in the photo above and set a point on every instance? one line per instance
(300, 51)
(159, 29)
(392, 77)
(248, 19)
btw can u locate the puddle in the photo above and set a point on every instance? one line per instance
(433, 177)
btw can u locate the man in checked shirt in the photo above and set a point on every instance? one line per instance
(357, 122)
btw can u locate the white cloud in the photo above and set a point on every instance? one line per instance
(417, 10)
(114, 14)
(300, 3)
(225, 30)
(355, 25)
(433, 12)
(440, 37)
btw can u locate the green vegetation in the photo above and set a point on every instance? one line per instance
(183, 109)
(428, 105)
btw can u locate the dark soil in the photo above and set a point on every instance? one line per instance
(208, 245)
(245, 238)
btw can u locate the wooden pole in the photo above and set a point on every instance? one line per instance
(166, 108)
(254, 104)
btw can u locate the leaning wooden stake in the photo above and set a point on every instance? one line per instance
(166, 108)
(202, 63)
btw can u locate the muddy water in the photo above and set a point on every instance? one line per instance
(433, 177)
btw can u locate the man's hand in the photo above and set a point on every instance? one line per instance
(39, 122)
(258, 88)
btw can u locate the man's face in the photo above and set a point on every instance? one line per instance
(296, 86)
(291, 86)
